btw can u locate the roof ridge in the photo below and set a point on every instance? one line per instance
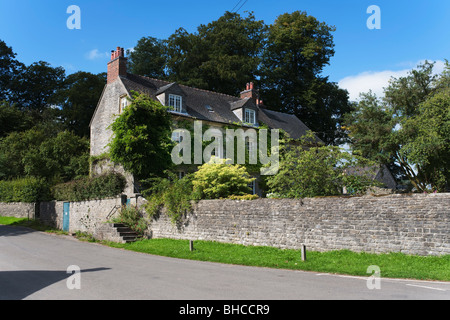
(183, 85)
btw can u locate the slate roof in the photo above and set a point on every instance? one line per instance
(215, 107)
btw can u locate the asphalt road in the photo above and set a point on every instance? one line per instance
(33, 265)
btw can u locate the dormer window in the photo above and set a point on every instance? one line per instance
(176, 102)
(250, 116)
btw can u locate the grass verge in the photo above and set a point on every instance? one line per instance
(33, 224)
(392, 265)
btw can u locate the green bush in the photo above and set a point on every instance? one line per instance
(244, 197)
(132, 218)
(87, 188)
(173, 194)
(221, 180)
(24, 190)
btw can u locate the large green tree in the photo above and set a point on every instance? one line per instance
(221, 56)
(9, 68)
(78, 99)
(408, 128)
(148, 58)
(34, 89)
(298, 48)
(40, 153)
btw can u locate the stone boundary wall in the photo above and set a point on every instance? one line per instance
(412, 224)
(18, 210)
(85, 216)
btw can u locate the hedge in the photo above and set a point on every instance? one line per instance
(25, 190)
(104, 186)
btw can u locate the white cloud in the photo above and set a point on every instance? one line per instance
(96, 54)
(378, 80)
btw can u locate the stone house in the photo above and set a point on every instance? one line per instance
(187, 103)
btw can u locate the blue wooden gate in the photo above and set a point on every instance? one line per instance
(66, 216)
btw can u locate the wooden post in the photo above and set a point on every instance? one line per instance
(191, 245)
(303, 252)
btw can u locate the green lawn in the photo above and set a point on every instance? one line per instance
(393, 265)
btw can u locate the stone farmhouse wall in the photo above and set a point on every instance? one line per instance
(412, 224)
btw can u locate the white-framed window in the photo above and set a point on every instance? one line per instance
(176, 102)
(123, 103)
(250, 116)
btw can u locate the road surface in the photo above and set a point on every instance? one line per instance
(34, 265)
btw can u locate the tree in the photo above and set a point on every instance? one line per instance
(141, 140)
(312, 169)
(148, 58)
(78, 99)
(56, 157)
(408, 128)
(221, 56)
(12, 119)
(298, 48)
(35, 87)
(9, 68)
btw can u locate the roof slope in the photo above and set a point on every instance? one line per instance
(216, 107)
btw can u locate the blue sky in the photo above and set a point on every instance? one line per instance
(411, 31)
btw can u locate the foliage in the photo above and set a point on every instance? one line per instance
(133, 218)
(87, 188)
(298, 48)
(24, 190)
(78, 98)
(173, 194)
(221, 56)
(9, 69)
(286, 57)
(217, 179)
(309, 171)
(244, 197)
(12, 119)
(37, 153)
(408, 128)
(35, 87)
(148, 58)
(141, 140)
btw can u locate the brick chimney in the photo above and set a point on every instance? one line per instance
(117, 66)
(249, 92)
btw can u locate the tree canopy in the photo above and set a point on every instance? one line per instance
(285, 59)
(409, 128)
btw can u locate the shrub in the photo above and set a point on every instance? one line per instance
(24, 190)
(244, 197)
(173, 194)
(132, 218)
(215, 180)
(87, 188)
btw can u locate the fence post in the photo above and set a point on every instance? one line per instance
(303, 252)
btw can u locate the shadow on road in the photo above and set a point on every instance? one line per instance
(10, 231)
(16, 285)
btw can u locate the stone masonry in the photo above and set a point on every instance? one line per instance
(412, 224)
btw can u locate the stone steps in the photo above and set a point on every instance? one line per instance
(126, 233)
(115, 232)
